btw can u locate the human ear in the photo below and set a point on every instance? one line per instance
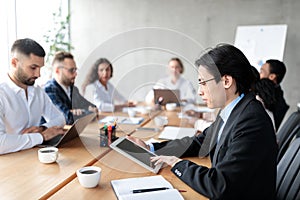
(14, 61)
(272, 77)
(227, 81)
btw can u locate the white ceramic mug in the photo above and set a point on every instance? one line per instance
(170, 106)
(48, 154)
(89, 176)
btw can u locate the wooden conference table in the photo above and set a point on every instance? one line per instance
(24, 177)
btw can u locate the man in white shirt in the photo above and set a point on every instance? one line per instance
(22, 104)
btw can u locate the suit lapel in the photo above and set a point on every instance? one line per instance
(229, 124)
(65, 96)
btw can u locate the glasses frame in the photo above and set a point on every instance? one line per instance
(71, 70)
(205, 81)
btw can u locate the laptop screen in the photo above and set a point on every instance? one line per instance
(168, 96)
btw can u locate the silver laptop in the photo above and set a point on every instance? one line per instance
(136, 153)
(169, 96)
(77, 127)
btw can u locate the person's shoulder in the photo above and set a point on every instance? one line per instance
(50, 83)
(3, 88)
(75, 90)
(3, 85)
(185, 81)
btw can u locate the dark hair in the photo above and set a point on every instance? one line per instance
(92, 75)
(27, 46)
(226, 59)
(265, 89)
(180, 63)
(60, 56)
(256, 77)
(278, 68)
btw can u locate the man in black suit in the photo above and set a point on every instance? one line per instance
(275, 71)
(241, 142)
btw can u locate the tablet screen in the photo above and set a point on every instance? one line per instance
(135, 152)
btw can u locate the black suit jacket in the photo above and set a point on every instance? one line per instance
(63, 103)
(243, 162)
(280, 108)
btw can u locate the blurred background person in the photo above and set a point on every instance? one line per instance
(275, 71)
(61, 90)
(174, 82)
(265, 93)
(106, 96)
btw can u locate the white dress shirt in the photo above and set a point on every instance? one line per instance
(105, 99)
(18, 113)
(187, 91)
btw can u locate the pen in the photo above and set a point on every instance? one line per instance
(149, 190)
(147, 129)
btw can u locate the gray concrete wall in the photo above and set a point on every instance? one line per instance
(117, 29)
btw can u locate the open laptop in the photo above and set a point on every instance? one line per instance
(135, 153)
(72, 133)
(169, 96)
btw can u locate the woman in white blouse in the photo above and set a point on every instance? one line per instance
(175, 82)
(105, 94)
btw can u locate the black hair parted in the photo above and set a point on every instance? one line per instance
(225, 59)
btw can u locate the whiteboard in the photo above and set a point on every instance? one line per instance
(260, 43)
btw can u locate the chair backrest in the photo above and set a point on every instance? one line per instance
(288, 173)
(285, 144)
(288, 126)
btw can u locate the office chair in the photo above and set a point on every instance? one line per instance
(285, 133)
(294, 134)
(288, 173)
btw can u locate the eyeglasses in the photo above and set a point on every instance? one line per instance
(204, 82)
(71, 70)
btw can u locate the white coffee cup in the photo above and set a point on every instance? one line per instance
(89, 176)
(161, 121)
(48, 154)
(170, 106)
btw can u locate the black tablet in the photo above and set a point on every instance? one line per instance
(136, 153)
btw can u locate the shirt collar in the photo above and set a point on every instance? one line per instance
(99, 84)
(13, 85)
(225, 113)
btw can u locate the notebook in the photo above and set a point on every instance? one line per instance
(172, 133)
(136, 153)
(169, 96)
(72, 133)
(124, 188)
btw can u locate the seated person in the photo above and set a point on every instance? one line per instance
(275, 71)
(62, 91)
(265, 93)
(174, 82)
(105, 94)
(241, 142)
(22, 104)
(264, 89)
